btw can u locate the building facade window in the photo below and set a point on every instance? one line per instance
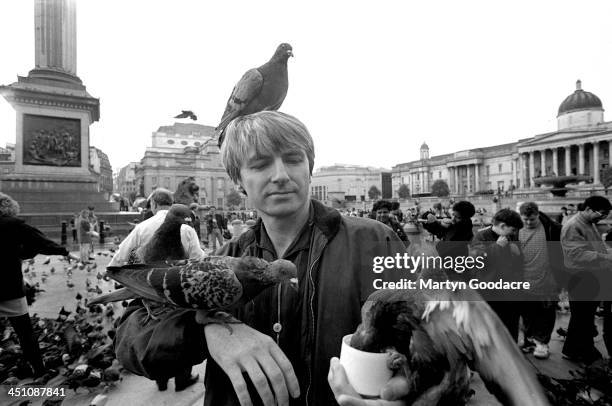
(499, 168)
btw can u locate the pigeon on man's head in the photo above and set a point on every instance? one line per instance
(259, 89)
(187, 114)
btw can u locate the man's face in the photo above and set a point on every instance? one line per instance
(531, 221)
(382, 215)
(277, 184)
(596, 215)
(456, 216)
(506, 230)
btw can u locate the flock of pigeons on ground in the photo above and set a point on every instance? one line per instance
(76, 346)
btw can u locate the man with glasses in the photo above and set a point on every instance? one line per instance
(585, 257)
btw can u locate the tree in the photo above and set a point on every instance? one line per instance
(440, 188)
(403, 192)
(374, 193)
(233, 199)
(606, 178)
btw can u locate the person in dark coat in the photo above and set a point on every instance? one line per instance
(19, 241)
(382, 210)
(289, 336)
(455, 233)
(499, 247)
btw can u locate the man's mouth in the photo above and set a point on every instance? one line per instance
(284, 192)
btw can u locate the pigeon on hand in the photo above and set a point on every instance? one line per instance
(210, 284)
(435, 335)
(259, 89)
(187, 114)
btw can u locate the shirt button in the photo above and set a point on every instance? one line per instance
(277, 327)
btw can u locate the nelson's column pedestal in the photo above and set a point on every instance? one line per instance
(53, 114)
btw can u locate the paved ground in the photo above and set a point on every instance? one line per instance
(134, 390)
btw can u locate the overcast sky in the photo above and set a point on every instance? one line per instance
(371, 80)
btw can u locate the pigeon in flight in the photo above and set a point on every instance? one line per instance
(259, 89)
(187, 114)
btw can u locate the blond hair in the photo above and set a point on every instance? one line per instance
(266, 132)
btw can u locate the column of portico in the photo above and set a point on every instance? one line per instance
(596, 162)
(568, 156)
(524, 178)
(514, 171)
(531, 167)
(469, 182)
(555, 158)
(543, 162)
(581, 159)
(610, 153)
(456, 174)
(476, 178)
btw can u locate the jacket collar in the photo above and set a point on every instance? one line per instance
(326, 219)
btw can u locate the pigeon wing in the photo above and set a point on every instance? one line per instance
(468, 326)
(247, 88)
(135, 278)
(118, 295)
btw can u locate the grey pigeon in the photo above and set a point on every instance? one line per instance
(259, 89)
(187, 114)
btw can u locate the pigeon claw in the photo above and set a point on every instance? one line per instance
(396, 360)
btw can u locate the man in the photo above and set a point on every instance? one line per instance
(585, 257)
(455, 233)
(160, 200)
(542, 260)
(215, 224)
(503, 260)
(284, 348)
(569, 213)
(383, 208)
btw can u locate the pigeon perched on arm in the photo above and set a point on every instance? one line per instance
(259, 89)
(187, 114)
(211, 284)
(435, 335)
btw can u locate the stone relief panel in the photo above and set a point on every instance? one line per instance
(51, 141)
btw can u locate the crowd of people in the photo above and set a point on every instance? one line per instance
(288, 341)
(528, 245)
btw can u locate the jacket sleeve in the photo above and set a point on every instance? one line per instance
(435, 228)
(34, 242)
(127, 245)
(577, 250)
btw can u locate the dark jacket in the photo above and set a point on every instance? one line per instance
(221, 223)
(552, 229)
(338, 280)
(454, 240)
(499, 263)
(19, 241)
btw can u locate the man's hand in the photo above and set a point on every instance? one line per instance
(431, 218)
(502, 241)
(397, 387)
(247, 350)
(515, 249)
(446, 222)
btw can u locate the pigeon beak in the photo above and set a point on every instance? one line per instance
(290, 52)
(294, 283)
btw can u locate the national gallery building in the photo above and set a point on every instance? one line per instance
(580, 146)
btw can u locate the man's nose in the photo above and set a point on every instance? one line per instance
(280, 174)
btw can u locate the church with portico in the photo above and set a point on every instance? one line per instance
(579, 149)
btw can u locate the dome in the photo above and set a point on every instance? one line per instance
(424, 146)
(580, 100)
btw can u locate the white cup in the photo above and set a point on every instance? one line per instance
(367, 372)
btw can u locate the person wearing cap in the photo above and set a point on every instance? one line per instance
(586, 257)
